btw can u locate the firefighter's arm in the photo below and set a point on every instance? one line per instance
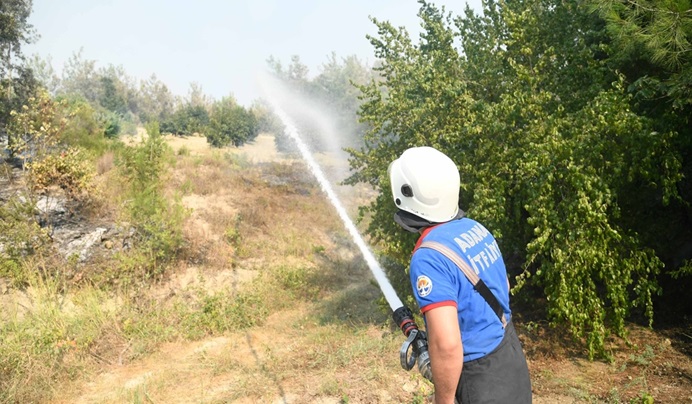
(446, 351)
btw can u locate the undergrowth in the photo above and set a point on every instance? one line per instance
(64, 331)
(65, 334)
(329, 333)
(48, 342)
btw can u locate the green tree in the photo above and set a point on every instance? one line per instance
(296, 74)
(296, 87)
(113, 97)
(659, 30)
(21, 87)
(85, 127)
(651, 46)
(196, 96)
(111, 100)
(155, 101)
(547, 144)
(186, 120)
(34, 130)
(336, 89)
(158, 219)
(44, 73)
(267, 121)
(230, 123)
(80, 77)
(16, 82)
(15, 31)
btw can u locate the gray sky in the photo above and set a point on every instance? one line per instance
(218, 44)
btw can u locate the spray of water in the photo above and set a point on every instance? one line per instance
(386, 287)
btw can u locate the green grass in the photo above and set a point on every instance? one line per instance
(49, 339)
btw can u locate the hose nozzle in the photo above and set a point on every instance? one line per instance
(415, 348)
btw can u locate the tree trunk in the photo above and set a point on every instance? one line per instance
(10, 137)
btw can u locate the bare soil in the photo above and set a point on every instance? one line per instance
(263, 359)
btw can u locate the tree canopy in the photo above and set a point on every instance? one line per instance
(560, 154)
(15, 31)
(17, 83)
(231, 124)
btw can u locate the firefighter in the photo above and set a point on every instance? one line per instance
(474, 350)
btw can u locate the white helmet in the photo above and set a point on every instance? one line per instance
(425, 182)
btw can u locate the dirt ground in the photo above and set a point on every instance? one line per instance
(655, 367)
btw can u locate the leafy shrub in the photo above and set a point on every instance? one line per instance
(184, 151)
(85, 127)
(34, 130)
(20, 237)
(299, 282)
(70, 170)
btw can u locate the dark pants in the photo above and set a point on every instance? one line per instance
(499, 377)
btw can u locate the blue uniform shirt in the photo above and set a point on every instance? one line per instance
(437, 281)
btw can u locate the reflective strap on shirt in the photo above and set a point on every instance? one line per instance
(471, 275)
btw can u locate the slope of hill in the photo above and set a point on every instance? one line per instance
(271, 302)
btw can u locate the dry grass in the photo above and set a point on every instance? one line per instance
(105, 163)
(271, 302)
(322, 319)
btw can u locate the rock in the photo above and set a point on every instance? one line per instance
(108, 244)
(51, 205)
(82, 245)
(63, 235)
(107, 235)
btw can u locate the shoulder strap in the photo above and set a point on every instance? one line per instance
(471, 275)
(423, 234)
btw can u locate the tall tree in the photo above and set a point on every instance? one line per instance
(547, 143)
(336, 89)
(196, 96)
(44, 72)
(155, 101)
(117, 90)
(112, 99)
(80, 77)
(15, 80)
(14, 31)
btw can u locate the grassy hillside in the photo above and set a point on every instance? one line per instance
(267, 300)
